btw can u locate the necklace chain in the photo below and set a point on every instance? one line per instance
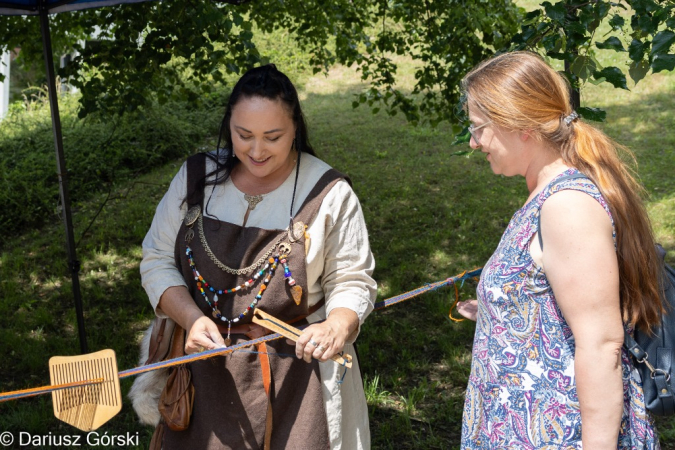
(226, 268)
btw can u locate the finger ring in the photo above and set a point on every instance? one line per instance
(313, 342)
(201, 349)
(321, 348)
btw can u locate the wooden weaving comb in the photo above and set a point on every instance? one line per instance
(272, 323)
(93, 396)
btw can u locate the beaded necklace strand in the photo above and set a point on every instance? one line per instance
(270, 267)
(194, 215)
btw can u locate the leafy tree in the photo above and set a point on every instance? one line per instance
(569, 31)
(445, 39)
(182, 49)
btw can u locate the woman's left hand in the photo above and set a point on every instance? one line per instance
(468, 309)
(324, 340)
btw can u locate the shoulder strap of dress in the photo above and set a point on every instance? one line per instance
(196, 169)
(310, 207)
(550, 186)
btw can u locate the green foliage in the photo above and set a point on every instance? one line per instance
(596, 114)
(444, 39)
(98, 152)
(570, 31)
(24, 32)
(168, 51)
(180, 50)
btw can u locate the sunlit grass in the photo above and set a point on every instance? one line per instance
(430, 216)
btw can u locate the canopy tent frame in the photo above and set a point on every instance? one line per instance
(62, 172)
(33, 7)
(43, 8)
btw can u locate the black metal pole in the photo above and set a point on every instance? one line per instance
(73, 263)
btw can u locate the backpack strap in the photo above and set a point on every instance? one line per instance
(559, 180)
(659, 365)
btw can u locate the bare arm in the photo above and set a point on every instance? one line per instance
(580, 262)
(203, 334)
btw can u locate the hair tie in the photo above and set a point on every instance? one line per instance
(571, 118)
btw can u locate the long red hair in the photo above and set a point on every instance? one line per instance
(520, 91)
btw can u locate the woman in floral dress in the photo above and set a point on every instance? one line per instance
(574, 267)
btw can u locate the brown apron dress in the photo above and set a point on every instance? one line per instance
(265, 394)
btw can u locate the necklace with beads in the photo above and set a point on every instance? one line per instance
(268, 269)
(280, 249)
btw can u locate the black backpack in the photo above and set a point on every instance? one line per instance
(654, 353)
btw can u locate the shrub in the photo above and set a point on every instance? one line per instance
(98, 151)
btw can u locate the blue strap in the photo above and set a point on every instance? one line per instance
(633, 347)
(662, 379)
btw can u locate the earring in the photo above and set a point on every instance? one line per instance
(229, 153)
(222, 153)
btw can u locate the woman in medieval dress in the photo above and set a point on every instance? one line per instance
(221, 245)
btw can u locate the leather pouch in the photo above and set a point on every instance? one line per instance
(175, 403)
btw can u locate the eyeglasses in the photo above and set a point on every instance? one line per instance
(476, 136)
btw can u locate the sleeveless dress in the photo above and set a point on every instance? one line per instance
(522, 391)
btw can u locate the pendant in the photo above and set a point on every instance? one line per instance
(296, 232)
(216, 314)
(192, 216)
(228, 341)
(253, 200)
(306, 242)
(284, 249)
(296, 292)
(189, 235)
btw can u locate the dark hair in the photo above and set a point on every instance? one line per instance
(265, 82)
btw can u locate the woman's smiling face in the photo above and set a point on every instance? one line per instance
(503, 147)
(262, 133)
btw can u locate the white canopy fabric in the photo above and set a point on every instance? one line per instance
(4, 86)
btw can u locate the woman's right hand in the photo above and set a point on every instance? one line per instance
(203, 335)
(468, 309)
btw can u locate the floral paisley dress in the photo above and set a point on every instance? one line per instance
(522, 391)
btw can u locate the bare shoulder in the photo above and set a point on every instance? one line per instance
(580, 262)
(577, 234)
(571, 212)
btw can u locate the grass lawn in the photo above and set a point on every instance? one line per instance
(430, 216)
